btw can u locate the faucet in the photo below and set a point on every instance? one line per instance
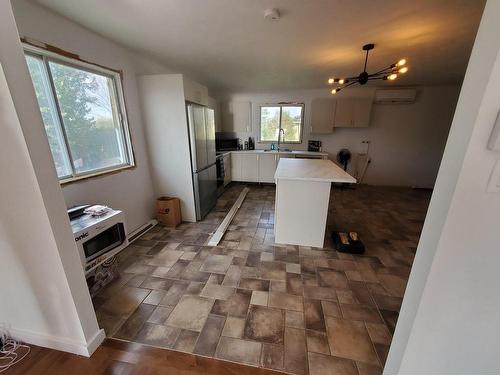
(279, 136)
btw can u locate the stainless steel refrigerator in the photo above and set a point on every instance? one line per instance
(201, 125)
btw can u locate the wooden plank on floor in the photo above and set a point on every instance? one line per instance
(217, 236)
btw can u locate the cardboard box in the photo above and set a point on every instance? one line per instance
(169, 211)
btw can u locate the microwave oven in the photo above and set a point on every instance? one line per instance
(229, 144)
(99, 238)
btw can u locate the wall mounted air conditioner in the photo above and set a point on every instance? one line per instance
(395, 96)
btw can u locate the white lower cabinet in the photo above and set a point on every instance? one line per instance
(245, 167)
(267, 167)
(259, 166)
(227, 169)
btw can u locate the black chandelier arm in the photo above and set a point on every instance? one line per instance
(383, 71)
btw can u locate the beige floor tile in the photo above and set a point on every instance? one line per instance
(379, 333)
(124, 302)
(264, 324)
(317, 342)
(294, 319)
(285, 301)
(234, 327)
(165, 259)
(350, 339)
(331, 309)
(237, 350)
(272, 356)
(160, 315)
(259, 298)
(359, 312)
(216, 264)
(186, 341)
(157, 335)
(320, 364)
(295, 359)
(293, 268)
(215, 291)
(190, 313)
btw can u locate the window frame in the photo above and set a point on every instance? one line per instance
(116, 77)
(281, 110)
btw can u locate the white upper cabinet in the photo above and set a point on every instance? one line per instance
(322, 115)
(343, 113)
(353, 113)
(195, 92)
(237, 116)
(362, 109)
(214, 104)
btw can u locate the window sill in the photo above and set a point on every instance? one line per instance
(91, 175)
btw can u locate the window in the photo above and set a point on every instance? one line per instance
(82, 110)
(287, 118)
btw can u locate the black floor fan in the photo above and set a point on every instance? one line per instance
(343, 157)
(347, 242)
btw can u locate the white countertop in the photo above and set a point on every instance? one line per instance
(312, 170)
(279, 152)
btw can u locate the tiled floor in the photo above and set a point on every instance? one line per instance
(295, 309)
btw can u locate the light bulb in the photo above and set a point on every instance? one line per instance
(331, 80)
(342, 81)
(393, 76)
(403, 70)
(334, 91)
(401, 62)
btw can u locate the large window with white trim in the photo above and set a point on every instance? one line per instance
(83, 113)
(283, 120)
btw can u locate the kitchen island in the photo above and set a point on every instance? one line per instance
(302, 199)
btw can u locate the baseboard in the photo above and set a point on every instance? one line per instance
(59, 343)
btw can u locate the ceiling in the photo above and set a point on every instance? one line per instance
(229, 45)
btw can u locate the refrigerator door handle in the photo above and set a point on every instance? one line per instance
(192, 139)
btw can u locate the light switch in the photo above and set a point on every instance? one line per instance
(494, 182)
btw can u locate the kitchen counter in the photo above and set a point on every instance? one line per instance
(312, 170)
(298, 152)
(302, 199)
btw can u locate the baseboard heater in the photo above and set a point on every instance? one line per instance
(141, 230)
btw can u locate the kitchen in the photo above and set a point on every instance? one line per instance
(302, 187)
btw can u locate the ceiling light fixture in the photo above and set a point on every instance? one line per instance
(390, 73)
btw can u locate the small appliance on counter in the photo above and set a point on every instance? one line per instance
(229, 144)
(314, 146)
(251, 143)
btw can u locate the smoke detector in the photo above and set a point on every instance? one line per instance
(272, 14)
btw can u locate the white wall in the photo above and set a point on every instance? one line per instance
(43, 293)
(450, 317)
(407, 140)
(129, 190)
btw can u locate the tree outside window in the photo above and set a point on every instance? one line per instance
(286, 117)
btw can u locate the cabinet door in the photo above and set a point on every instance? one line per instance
(195, 92)
(267, 167)
(343, 113)
(361, 113)
(249, 167)
(236, 117)
(236, 164)
(227, 169)
(322, 115)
